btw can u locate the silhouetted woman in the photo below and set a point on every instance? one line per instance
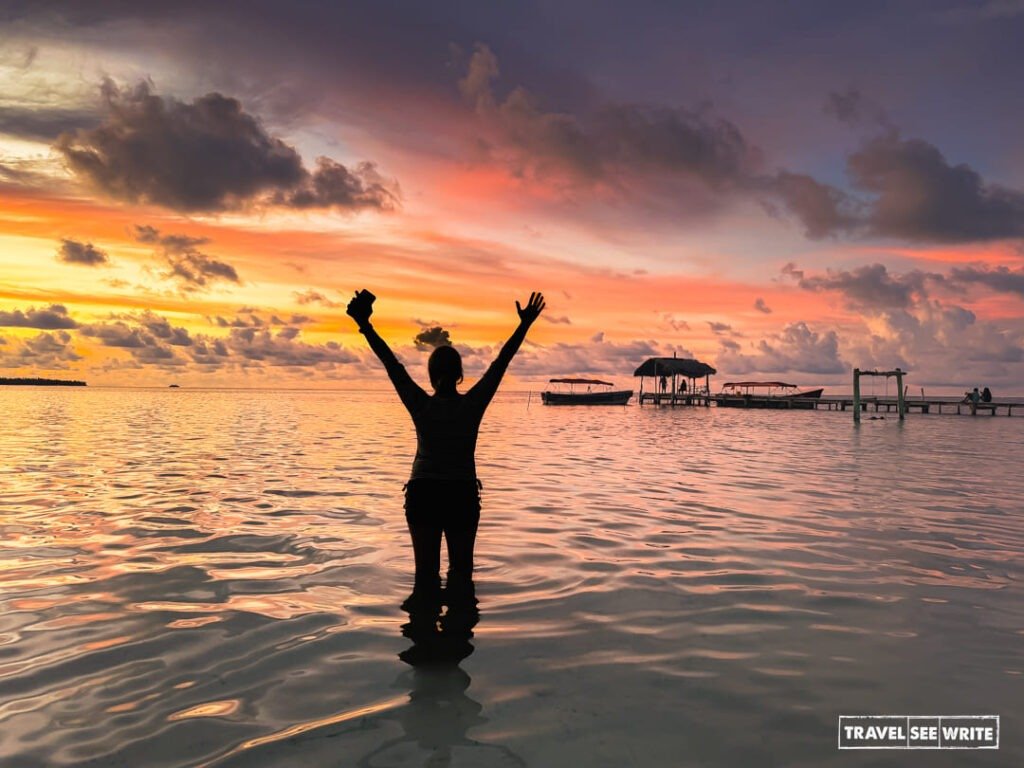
(443, 493)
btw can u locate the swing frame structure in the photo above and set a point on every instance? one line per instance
(901, 406)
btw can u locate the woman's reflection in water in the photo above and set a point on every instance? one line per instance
(440, 711)
(440, 639)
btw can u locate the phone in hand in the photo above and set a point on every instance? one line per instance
(364, 301)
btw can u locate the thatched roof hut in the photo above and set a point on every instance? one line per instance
(674, 366)
(663, 369)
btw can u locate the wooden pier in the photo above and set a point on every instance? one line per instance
(675, 398)
(869, 404)
(676, 384)
(943, 405)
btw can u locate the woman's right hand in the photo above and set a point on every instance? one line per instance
(532, 310)
(359, 309)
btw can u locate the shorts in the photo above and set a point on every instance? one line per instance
(444, 503)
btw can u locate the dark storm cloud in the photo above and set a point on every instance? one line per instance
(871, 286)
(999, 279)
(260, 346)
(45, 350)
(44, 124)
(162, 329)
(362, 44)
(902, 188)
(149, 339)
(50, 345)
(209, 352)
(188, 266)
(197, 270)
(239, 321)
(919, 196)
(644, 150)
(822, 209)
(118, 334)
(251, 317)
(334, 185)
(675, 140)
(616, 139)
(207, 155)
(152, 339)
(74, 252)
(51, 318)
(293, 320)
(145, 233)
(558, 122)
(905, 189)
(429, 338)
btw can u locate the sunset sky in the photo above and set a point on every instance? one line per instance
(191, 191)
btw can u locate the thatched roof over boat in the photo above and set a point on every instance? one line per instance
(682, 366)
(581, 381)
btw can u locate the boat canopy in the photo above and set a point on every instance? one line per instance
(759, 384)
(580, 381)
(668, 366)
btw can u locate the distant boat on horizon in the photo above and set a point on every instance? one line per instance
(173, 386)
(604, 396)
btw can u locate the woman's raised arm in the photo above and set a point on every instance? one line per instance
(485, 388)
(359, 309)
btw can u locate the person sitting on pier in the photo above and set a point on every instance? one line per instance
(986, 395)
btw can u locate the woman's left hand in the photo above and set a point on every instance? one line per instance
(532, 310)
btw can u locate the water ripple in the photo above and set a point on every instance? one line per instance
(217, 579)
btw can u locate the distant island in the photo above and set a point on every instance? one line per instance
(42, 382)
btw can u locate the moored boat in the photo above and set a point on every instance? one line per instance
(765, 394)
(573, 396)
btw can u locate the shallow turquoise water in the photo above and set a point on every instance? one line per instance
(214, 577)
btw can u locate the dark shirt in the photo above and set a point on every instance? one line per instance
(446, 425)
